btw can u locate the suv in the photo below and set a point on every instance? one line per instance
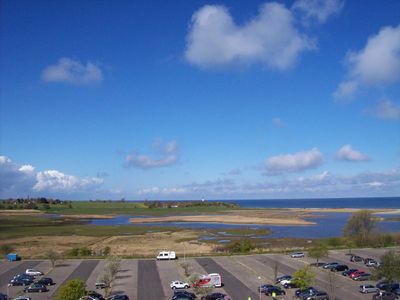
(368, 288)
(297, 255)
(384, 296)
(338, 268)
(319, 295)
(179, 285)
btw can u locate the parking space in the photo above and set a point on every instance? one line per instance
(150, 279)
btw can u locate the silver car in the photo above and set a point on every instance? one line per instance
(368, 288)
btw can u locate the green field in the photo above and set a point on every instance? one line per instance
(128, 208)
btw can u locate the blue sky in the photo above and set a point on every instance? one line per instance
(199, 99)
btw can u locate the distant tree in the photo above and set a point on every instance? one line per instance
(332, 284)
(85, 251)
(5, 249)
(53, 257)
(304, 277)
(360, 226)
(72, 290)
(318, 251)
(389, 267)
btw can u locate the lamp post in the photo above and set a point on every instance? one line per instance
(259, 278)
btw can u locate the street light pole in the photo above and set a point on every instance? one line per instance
(259, 278)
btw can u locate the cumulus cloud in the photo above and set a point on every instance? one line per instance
(347, 153)
(319, 10)
(378, 63)
(294, 162)
(22, 180)
(387, 110)
(167, 155)
(73, 72)
(270, 38)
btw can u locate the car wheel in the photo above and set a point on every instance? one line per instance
(174, 287)
(40, 291)
(186, 286)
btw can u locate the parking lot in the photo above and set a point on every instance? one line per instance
(150, 279)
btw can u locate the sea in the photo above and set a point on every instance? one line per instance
(328, 224)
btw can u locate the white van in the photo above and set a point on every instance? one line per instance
(209, 280)
(166, 255)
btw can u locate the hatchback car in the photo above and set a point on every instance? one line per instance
(319, 295)
(384, 296)
(179, 285)
(330, 265)
(297, 254)
(33, 272)
(349, 272)
(284, 277)
(368, 288)
(36, 288)
(362, 277)
(275, 289)
(118, 297)
(339, 268)
(45, 281)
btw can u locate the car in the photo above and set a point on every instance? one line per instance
(290, 285)
(297, 255)
(23, 275)
(284, 277)
(214, 296)
(183, 294)
(355, 274)
(330, 265)
(36, 288)
(275, 289)
(20, 281)
(384, 296)
(118, 297)
(176, 284)
(361, 277)
(356, 258)
(373, 263)
(285, 281)
(349, 272)
(33, 272)
(368, 259)
(45, 281)
(95, 295)
(3, 296)
(384, 285)
(368, 288)
(23, 298)
(319, 295)
(338, 268)
(88, 298)
(300, 293)
(263, 287)
(100, 285)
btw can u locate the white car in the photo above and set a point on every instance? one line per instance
(286, 281)
(179, 285)
(297, 255)
(33, 272)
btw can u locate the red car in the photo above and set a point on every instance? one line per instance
(356, 274)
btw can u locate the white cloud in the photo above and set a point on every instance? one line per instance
(346, 90)
(387, 110)
(378, 63)
(168, 155)
(214, 40)
(277, 122)
(319, 10)
(55, 181)
(22, 180)
(294, 162)
(72, 71)
(347, 153)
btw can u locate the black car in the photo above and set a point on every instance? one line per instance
(95, 295)
(290, 285)
(284, 277)
(20, 281)
(386, 286)
(348, 272)
(275, 289)
(319, 295)
(36, 288)
(3, 297)
(214, 296)
(23, 275)
(45, 281)
(339, 268)
(183, 293)
(384, 296)
(356, 258)
(262, 288)
(310, 290)
(118, 297)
